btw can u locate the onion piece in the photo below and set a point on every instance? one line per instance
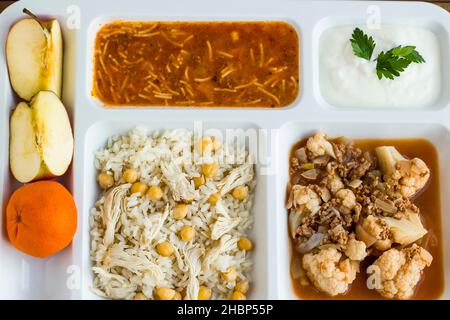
(295, 218)
(312, 243)
(301, 155)
(311, 174)
(297, 270)
(385, 206)
(321, 160)
(355, 183)
(325, 194)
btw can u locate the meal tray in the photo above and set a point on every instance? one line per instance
(68, 275)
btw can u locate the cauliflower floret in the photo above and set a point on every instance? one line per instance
(328, 272)
(304, 199)
(381, 232)
(374, 232)
(333, 183)
(356, 250)
(411, 175)
(400, 271)
(406, 230)
(318, 145)
(348, 200)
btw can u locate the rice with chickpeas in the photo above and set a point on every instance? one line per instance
(141, 247)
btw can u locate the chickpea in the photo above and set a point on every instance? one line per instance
(130, 176)
(236, 295)
(240, 193)
(177, 296)
(214, 198)
(198, 181)
(164, 293)
(245, 243)
(105, 180)
(187, 233)
(139, 187)
(140, 296)
(164, 249)
(242, 286)
(230, 275)
(210, 169)
(180, 211)
(204, 293)
(154, 193)
(205, 145)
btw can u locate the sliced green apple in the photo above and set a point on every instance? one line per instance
(34, 54)
(41, 140)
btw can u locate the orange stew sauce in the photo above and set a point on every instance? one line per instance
(431, 285)
(233, 64)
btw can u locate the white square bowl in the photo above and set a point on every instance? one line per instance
(435, 25)
(292, 132)
(96, 138)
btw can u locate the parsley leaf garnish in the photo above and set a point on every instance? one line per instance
(362, 44)
(390, 63)
(409, 53)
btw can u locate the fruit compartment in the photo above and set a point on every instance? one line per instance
(25, 277)
(292, 132)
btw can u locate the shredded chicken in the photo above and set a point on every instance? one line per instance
(180, 186)
(225, 244)
(237, 177)
(112, 208)
(151, 233)
(400, 271)
(117, 256)
(329, 272)
(192, 257)
(224, 223)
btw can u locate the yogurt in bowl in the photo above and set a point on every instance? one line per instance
(350, 81)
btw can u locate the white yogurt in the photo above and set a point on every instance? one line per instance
(350, 81)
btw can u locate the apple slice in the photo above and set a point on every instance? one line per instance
(34, 53)
(41, 141)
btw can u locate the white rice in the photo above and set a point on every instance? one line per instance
(130, 264)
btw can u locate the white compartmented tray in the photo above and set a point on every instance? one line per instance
(67, 275)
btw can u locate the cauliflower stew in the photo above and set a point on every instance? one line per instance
(364, 219)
